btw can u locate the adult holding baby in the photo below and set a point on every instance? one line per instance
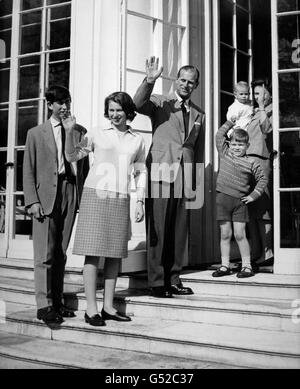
(260, 139)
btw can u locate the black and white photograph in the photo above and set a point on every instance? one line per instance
(149, 187)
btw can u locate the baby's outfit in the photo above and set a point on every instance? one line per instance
(242, 112)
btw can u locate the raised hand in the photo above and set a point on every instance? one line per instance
(152, 70)
(69, 123)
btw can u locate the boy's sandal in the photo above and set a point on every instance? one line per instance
(245, 272)
(220, 273)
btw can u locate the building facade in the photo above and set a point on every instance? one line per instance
(95, 47)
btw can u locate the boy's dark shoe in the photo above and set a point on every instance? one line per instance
(49, 316)
(245, 273)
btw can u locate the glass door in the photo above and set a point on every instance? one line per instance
(35, 53)
(286, 109)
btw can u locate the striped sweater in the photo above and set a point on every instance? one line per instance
(236, 174)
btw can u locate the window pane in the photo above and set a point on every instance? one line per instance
(226, 101)
(4, 81)
(52, 2)
(168, 87)
(6, 7)
(243, 3)
(23, 222)
(172, 12)
(3, 125)
(27, 118)
(29, 77)
(29, 4)
(171, 44)
(31, 32)
(242, 30)
(288, 5)
(226, 22)
(19, 171)
(139, 30)
(242, 67)
(5, 36)
(289, 41)
(60, 12)
(3, 160)
(290, 220)
(2, 210)
(289, 97)
(227, 68)
(290, 159)
(60, 34)
(141, 6)
(59, 73)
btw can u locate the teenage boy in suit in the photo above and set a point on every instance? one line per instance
(52, 188)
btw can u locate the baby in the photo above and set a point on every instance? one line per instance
(241, 111)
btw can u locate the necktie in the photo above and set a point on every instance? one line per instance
(68, 170)
(186, 118)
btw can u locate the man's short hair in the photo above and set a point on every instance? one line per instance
(239, 135)
(57, 93)
(242, 84)
(189, 68)
(124, 100)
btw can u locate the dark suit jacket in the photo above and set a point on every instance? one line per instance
(169, 147)
(40, 167)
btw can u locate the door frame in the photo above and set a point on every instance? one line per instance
(286, 259)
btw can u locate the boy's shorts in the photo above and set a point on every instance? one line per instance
(231, 209)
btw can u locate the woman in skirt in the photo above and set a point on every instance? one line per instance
(103, 227)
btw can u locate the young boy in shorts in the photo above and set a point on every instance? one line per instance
(234, 191)
(241, 111)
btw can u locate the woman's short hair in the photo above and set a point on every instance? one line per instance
(125, 102)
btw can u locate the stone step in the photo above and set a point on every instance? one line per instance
(24, 352)
(245, 312)
(23, 269)
(262, 285)
(222, 344)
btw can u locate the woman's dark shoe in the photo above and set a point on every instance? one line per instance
(222, 271)
(95, 320)
(118, 316)
(245, 273)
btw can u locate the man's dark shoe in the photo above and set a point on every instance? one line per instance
(64, 311)
(161, 292)
(179, 289)
(49, 316)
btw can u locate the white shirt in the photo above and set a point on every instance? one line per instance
(116, 156)
(56, 128)
(242, 112)
(186, 102)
